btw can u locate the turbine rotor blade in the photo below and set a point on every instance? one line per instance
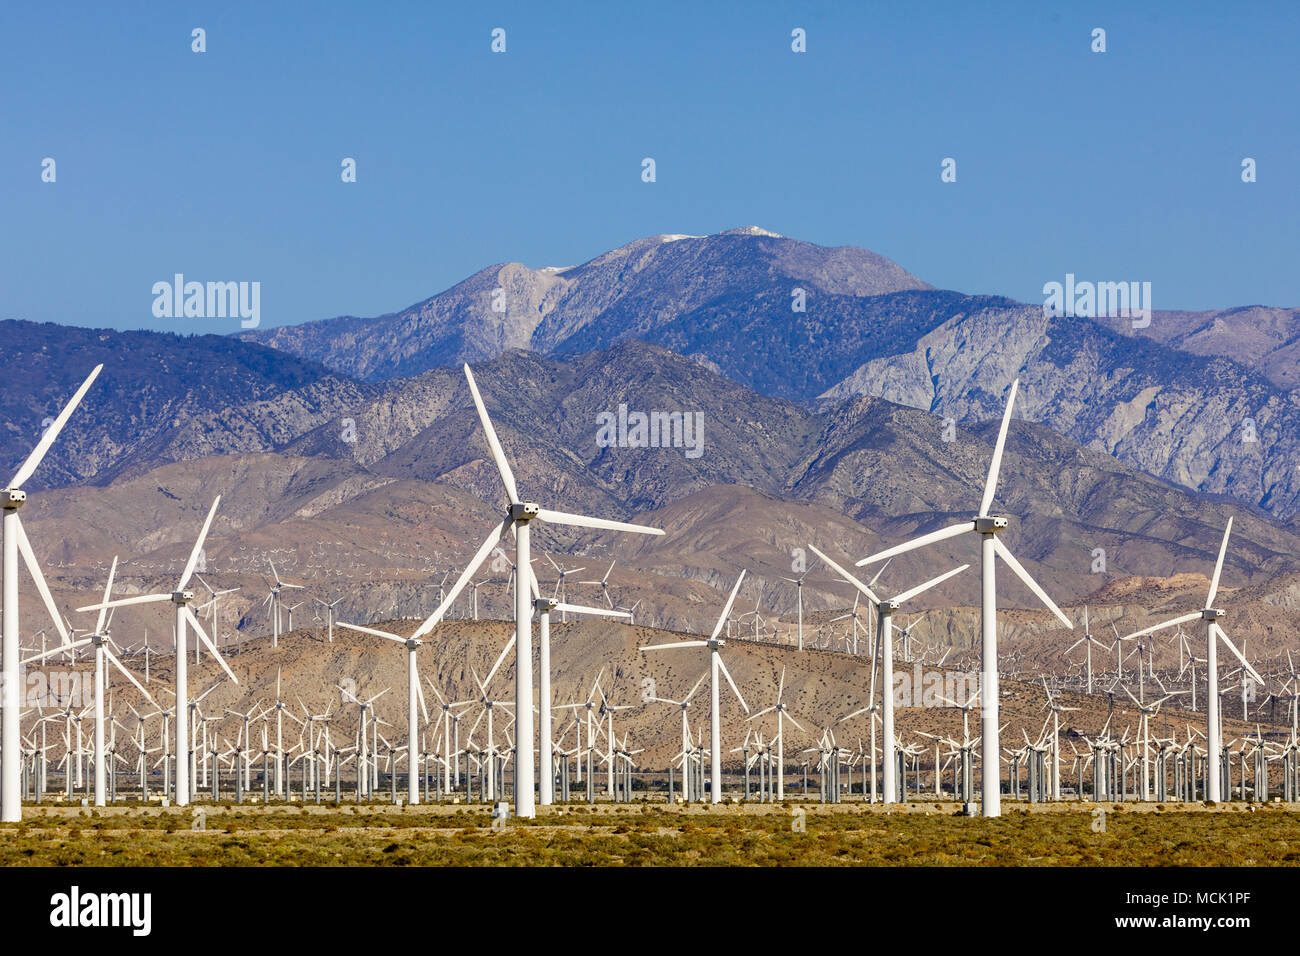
(1218, 566)
(1005, 554)
(995, 465)
(584, 521)
(108, 588)
(494, 444)
(736, 690)
(198, 546)
(722, 619)
(484, 551)
(29, 558)
(942, 534)
(370, 630)
(51, 433)
(848, 577)
(907, 595)
(212, 648)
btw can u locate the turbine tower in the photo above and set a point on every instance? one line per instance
(15, 541)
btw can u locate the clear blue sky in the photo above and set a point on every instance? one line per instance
(225, 165)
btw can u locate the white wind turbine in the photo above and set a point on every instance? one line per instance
(212, 600)
(683, 704)
(1088, 641)
(987, 526)
(885, 643)
(275, 601)
(519, 517)
(15, 542)
(182, 597)
(715, 665)
(782, 715)
(329, 615)
(543, 607)
(1210, 615)
(414, 698)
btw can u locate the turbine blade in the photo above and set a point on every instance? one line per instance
(370, 630)
(907, 595)
(212, 648)
(484, 550)
(198, 546)
(1240, 656)
(108, 588)
(735, 690)
(722, 619)
(995, 465)
(875, 601)
(942, 534)
(123, 602)
(29, 558)
(1005, 553)
(600, 611)
(129, 676)
(1195, 616)
(504, 651)
(494, 444)
(583, 521)
(419, 693)
(1218, 566)
(664, 647)
(51, 433)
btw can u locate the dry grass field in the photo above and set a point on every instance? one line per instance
(648, 834)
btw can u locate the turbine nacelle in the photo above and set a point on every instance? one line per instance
(524, 510)
(1212, 614)
(545, 605)
(183, 596)
(991, 524)
(12, 498)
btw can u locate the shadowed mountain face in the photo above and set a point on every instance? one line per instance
(152, 384)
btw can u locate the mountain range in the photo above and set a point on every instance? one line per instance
(349, 451)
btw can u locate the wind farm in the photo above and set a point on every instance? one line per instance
(696, 440)
(845, 713)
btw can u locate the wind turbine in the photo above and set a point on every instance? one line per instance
(273, 599)
(604, 583)
(798, 583)
(987, 526)
(1088, 641)
(1210, 615)
(885, 641)
(715, 665)
(519, 517)
(329, 615)
(15, 542)
(683, 704)
(415, 696)
(543, 608)
(181, 598)
(214, 595)
(782, 715)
